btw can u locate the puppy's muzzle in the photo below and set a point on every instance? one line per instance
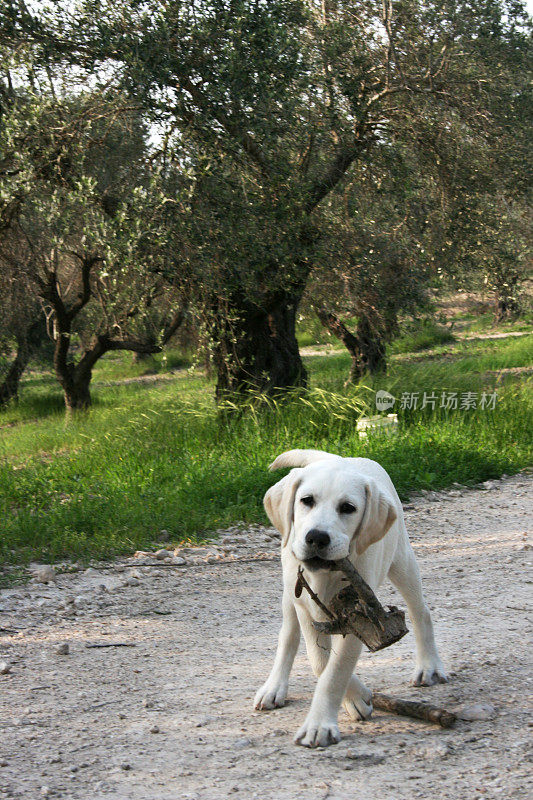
(317, 543)
(317, 540)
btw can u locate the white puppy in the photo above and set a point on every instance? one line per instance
(326, 509)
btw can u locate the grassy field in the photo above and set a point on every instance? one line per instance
(160, 456)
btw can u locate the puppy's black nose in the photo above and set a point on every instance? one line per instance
(317, 538)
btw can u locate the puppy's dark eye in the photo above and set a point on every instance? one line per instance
(346, 508)
(308, 500)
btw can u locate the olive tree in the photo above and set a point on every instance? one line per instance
(287, 97)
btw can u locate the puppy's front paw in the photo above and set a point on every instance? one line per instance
(429, 672)
(270, 695)
(318, 733)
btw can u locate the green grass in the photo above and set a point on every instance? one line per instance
(421, 335)
(149, 457)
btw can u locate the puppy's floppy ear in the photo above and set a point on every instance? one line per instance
(380, 513)
(279, 502)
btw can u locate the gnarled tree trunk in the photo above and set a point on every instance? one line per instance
(27, 342)
(366, 346)
(10, 385)
(255, 346)
(371, 346)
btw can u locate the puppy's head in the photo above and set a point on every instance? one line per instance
(326, 508)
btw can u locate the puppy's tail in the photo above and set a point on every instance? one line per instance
(299, 458)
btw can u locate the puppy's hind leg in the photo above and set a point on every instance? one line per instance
(405, 575)
(273, 693)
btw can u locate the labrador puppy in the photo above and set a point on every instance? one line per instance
(329, 508)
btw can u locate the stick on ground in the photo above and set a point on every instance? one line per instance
(413, 708)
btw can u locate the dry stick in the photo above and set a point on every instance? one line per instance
(111, 644)
(355, 609)
(163, 565)
(302, 583)
(413, 708)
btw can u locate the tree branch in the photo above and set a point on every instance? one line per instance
(323, 186)
(234, 128)
(87, 263)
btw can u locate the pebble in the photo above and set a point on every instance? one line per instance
(154, 729)
(44, 574)
(5, 668)
(478, 711)
(125, 766)
(432, 751)
(178, 560)
(162, 554)
(132, 581)
(63, 649)
(240, 744)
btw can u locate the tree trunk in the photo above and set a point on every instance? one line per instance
(507, 304)
(75, 379)
(506, 308)
(255, 346)
(333, 324)
(78, 395)
(10, 385)
(27, 343)
(366, 347)
(371, 346)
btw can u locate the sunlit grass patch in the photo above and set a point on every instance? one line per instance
(152, 457)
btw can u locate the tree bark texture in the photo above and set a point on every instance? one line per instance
(366, 346)
(26, 344)
(10, 385)
(255, 346)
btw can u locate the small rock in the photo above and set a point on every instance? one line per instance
(132, 582)
(45, 791)
(162, 554)
(44, 574)
(125, 766)
(154, 729)
(3, 762)
(63, 649)
(478, 711)
(5, 668)
(432, 751)
(240, 744)
(178, 560)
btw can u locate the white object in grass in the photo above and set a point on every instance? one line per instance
(388, 424)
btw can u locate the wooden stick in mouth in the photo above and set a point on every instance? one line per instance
(356, 609)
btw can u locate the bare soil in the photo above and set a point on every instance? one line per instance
(171, 717)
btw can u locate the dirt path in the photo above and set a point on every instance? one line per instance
(170, 718)
(451, 347)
